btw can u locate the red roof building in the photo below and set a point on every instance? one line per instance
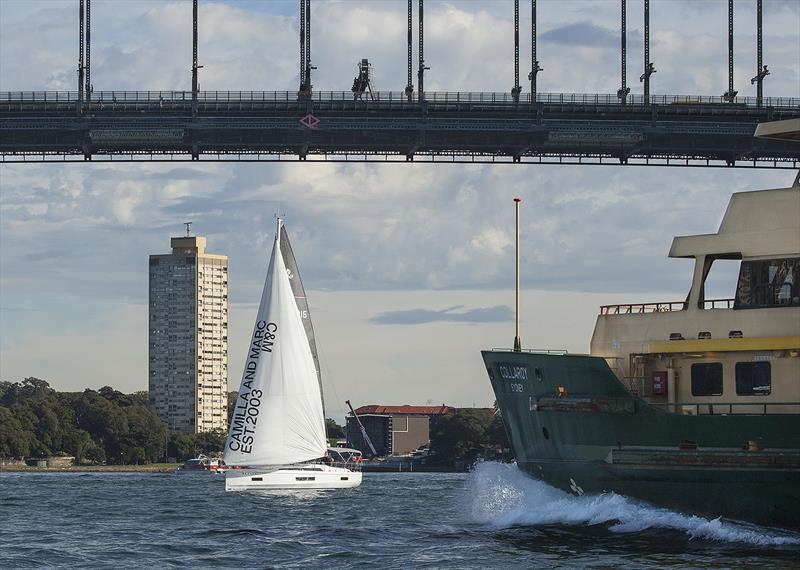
(393, 430)
(405, 409)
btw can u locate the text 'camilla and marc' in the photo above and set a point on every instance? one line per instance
(245, 415)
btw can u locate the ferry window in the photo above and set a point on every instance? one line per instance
(707, 379)
(720, 282)
(768, 283)
(753, 379)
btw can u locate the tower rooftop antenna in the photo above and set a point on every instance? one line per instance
(188, 228)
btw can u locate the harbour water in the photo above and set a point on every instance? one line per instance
(494, 517)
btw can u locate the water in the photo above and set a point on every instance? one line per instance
(495, 517)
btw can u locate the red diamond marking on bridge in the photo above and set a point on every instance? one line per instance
(309, 121)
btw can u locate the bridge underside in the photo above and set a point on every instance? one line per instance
(447, 127)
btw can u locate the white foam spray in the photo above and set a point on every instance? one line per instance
(502, 496)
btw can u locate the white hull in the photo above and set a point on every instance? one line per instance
(305, 477)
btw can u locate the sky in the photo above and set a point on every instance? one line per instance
(409, 268)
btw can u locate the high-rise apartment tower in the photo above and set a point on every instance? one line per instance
(188, 340)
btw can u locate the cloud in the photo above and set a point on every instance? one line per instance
(496, 314)
(583, 34)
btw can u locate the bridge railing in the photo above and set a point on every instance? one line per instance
(392, 97)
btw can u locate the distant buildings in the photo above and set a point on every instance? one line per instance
(188, 336)
(394, 430)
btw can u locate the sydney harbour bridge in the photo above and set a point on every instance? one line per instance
(522, 125)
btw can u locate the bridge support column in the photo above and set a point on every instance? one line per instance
(516, 89)
(195, 67)
(622, 94)
(730, 94)
(80, 55)
(88, 52)
(409, 85)
(761, 70)
(302, 44)
(535, 69)
(309, 67)
(649, 68)
(421, 55)
(305, 50)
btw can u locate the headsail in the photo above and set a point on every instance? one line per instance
(302, 302)
(278, 416)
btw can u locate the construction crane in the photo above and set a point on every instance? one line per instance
(363, 430)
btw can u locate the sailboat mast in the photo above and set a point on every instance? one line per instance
(517, 343)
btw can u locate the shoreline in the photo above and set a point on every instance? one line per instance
(152, 468)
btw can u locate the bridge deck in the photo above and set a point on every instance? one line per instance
(452, 127)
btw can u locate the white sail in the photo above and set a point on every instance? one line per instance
(278, 417)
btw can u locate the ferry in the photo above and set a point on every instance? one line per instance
(694, 404)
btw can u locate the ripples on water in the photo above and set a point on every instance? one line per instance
(493, 517)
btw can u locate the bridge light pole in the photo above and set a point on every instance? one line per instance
(535, 68)
(623, 91)
(649, 68)
(761, 70)
(730, 94)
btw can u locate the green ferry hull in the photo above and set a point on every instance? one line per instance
(573, 424)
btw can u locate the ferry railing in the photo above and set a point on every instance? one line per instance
(728, 408)
(719, 304)
(636, 384)
(642, 308)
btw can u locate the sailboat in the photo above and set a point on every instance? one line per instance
(277, 432)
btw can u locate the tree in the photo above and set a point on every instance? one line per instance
(457, 438)
(77, 442)
(496, 432)
(232, 397)
(95, 453)
(334, 430)
(14, 440)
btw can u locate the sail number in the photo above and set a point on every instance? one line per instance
(515, 387)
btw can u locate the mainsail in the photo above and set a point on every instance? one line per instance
(278, 417)
(302, 302)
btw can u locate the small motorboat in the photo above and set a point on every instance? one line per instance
(202, 463)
